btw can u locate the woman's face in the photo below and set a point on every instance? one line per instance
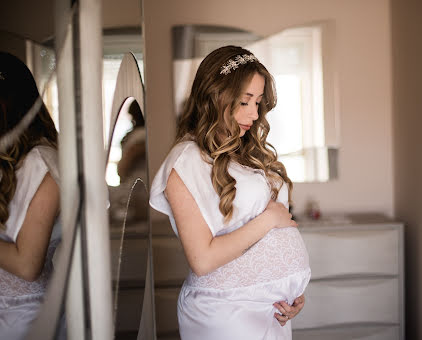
(247, 111)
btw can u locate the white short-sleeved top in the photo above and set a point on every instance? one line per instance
(253, 192)
(39, 161)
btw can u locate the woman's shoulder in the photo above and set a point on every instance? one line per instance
(186, 158)
(29, 177)
(40, 157)
(38, 153)
(185, 151)
(32, 159)
(189, 147)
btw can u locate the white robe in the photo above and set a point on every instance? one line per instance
(236, 300)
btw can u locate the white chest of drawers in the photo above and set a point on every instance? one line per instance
(357, 285)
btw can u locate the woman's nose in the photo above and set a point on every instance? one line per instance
(254, 112)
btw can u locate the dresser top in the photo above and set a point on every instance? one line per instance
(347, 220)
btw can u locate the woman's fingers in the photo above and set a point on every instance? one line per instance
(280, 308)
(282, 319)
(299, 301)
(288, 312)
(280, 214)
(283, 316)
(298, 304)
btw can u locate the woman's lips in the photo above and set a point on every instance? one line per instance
(245, 127)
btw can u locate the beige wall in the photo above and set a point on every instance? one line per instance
(123, 13)
(28, 19)
(34, 20)
(12, 44)
(364, 73)
(407, 123)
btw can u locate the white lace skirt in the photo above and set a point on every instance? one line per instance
(236, 301)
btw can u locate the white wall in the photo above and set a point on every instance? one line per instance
(364, 70)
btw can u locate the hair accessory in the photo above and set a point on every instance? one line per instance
(2, 77)
(234, 64)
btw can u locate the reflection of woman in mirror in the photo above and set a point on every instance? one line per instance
(227, 197)
(131, 166)
(29, 200)
(133, 146)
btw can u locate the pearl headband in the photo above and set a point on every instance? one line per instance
(233, 64)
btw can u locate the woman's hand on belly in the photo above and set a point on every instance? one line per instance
(288, 312)
(278, 215)
(204, 251)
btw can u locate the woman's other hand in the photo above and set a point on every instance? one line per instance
(288, 312)
(278, 215)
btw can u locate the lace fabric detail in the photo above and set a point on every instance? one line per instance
(279, 254)
(12, 286)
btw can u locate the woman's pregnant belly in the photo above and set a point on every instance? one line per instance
(278, 255)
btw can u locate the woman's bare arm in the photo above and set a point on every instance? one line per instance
(26, 257)
(204, 252)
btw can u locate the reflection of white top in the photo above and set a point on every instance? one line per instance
(274, 269)
(20, 299)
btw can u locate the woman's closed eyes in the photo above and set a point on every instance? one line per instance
(246, 104)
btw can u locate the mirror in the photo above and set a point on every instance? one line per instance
(126, 176)
(44, 63)
(304, 124)
(128, 218)
(128, 140)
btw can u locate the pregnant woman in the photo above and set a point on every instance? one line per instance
(29, 200)
(227, 199)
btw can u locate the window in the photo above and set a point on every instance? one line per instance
(294, 58)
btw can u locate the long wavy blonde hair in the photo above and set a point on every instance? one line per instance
(207, 118)
(18, 92)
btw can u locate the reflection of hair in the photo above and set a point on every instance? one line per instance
(208, 119)
(18, 92)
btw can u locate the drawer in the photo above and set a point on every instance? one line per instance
(170, 265)
(354, 332)
(351, 252)
(166, 310)
(129, 309)
(342, 302)
(134, 259)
